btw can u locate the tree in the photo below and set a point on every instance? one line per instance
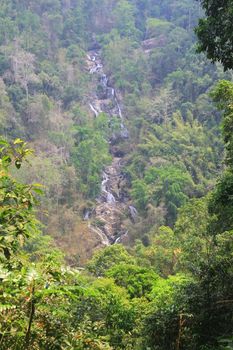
(162, 252)
(156, 27)
(215, 32)
(107, 258)
(17, 218)
(138, 281)
(222, 95)
(221, 203)
(165, 324)
(124, 14)
(23, 67)
(37, 290)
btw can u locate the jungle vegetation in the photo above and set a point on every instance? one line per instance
(171, 287)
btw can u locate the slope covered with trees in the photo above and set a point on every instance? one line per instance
(174, 294)
(170, 287)
(174, 151)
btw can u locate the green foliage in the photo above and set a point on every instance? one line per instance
(148, 55)
(220, 206)
(124, 15)
(191, 229)
(23, 283)
(221, 201)
(17, 200)
(165, 183)
(91, 154)
(214, 32)
(156, 27)
(162, 253)
(173, 171)
(167, 308)
(39, 296)
(137, 281)
(222, 95)
(124, 303)
(174, 289)
(104, 260)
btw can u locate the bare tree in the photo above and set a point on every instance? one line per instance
(23, 67)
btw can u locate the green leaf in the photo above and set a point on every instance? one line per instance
(6, 159)
(38, 191)
(18, 141)
(4, 142)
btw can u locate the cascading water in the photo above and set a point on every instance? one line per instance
(94, 110)
(110, 206)
(104, 182)
(109, 197)
(103, 237)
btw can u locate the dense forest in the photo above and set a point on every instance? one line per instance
(116, 175)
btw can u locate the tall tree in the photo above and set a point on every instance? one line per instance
(215, 32)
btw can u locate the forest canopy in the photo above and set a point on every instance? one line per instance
(116, 175)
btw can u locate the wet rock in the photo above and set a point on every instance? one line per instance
(86, 214)
(117, 152)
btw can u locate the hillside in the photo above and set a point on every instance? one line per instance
(116, 175)
(151, 77)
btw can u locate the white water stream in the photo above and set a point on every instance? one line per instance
(94, 110)
(109, 203)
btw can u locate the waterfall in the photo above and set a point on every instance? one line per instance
(119, 108)
(107, 194)
(103, 237)
(104, 182)
(109, 208)
(94, 110)
(124, 130)
(119, 239)
(96, 68)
